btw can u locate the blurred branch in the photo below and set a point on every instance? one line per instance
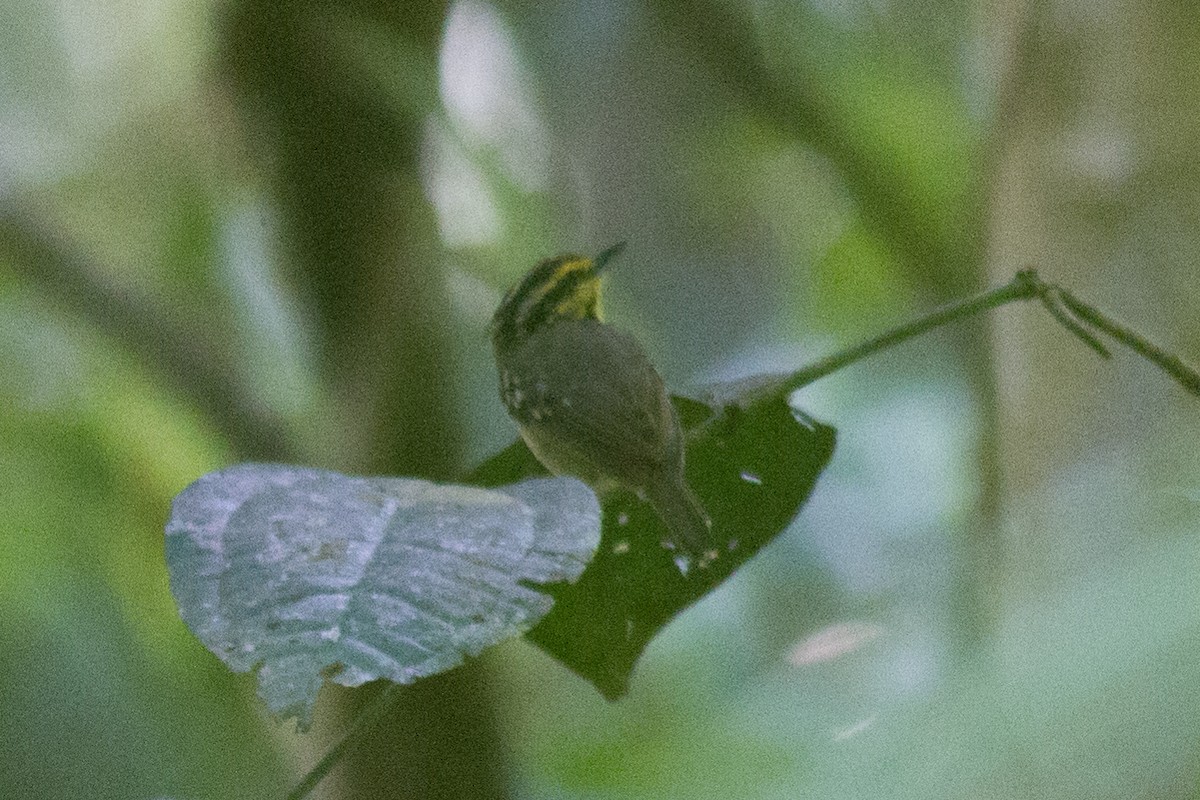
(361, 236)
(184, 356)
(368, 717)
(977, 577)
(343, 141)
(723, 36)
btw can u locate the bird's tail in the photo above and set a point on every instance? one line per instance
(687, 522)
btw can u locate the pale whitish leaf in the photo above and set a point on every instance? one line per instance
(304, 574)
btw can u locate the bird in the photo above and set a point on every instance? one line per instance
(588, 401)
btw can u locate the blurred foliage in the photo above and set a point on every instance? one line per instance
(276, 231)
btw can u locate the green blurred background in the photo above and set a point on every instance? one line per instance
(275, 230)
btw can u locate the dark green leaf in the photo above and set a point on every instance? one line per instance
(752, 460)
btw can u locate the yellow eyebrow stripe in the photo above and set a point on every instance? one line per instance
(566, 286)
(543, 290)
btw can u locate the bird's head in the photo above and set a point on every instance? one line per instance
(561, 288)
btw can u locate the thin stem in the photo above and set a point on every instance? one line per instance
(1068, 310)
(1053, 302)
(186, 356)
(363, 722)
(1022, 287)
(1173, 365)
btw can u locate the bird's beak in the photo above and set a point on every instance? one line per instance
(601, 261)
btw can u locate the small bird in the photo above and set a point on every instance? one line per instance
(587, 399)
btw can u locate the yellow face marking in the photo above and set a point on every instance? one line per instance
(566, 287)
(571, 288)
(583, 301)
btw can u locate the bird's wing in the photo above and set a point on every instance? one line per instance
(591, 388)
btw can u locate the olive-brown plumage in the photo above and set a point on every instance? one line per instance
(587, 399)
